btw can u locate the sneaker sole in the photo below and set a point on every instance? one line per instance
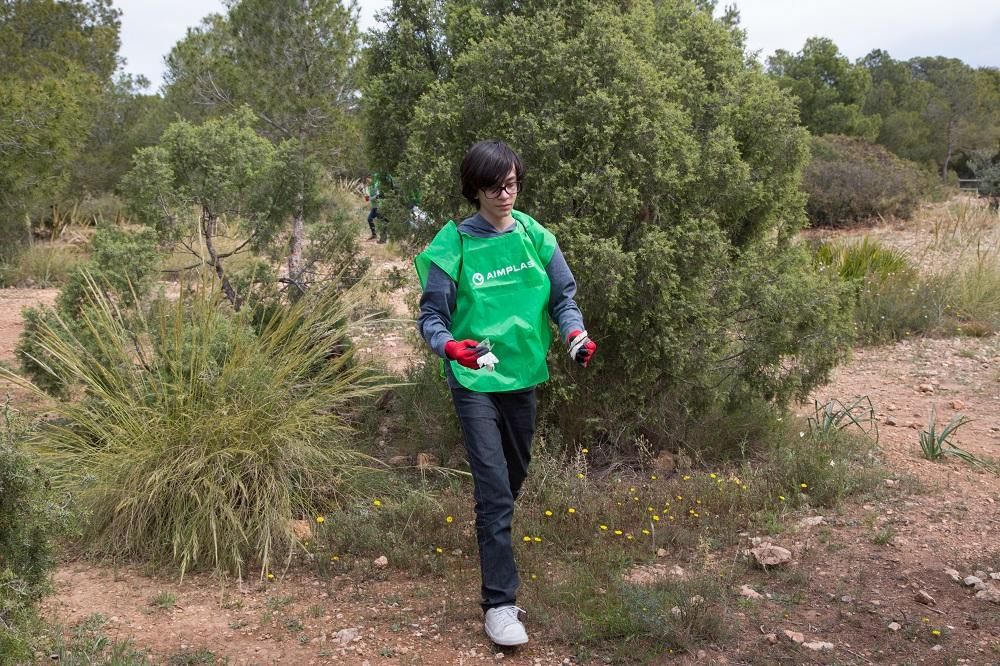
(505, 643)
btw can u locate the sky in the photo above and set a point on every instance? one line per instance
(969, 30)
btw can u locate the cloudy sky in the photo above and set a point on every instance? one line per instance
(969, 30)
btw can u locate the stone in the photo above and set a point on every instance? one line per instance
(926, 388)
(818, 646)
(769, 555)
(346, 636)
(811, 521)
(696, 600)
(794, 636)
(954, 575)
(301, 529)
(677, 571)
(895, 626)
(382, 562)
(750, 593)
(771, 638)
(957, 404)
(972, 581)
(922, 597)
(425, 460)
(990, 594)
(891, 421)
(995, 575)
(676, 612)
(661, 552)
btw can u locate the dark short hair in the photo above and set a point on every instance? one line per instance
(486, 165)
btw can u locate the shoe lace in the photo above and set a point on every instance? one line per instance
(512, 613)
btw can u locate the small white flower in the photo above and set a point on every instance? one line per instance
(801, 434)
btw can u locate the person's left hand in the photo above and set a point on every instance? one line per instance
(581, 347)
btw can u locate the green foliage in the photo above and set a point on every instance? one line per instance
(200, 438)
(54, 58)
(123, 262)
(857, 261)
(27, 518)
(88, 644)
(934, 445)
(849, 181)
(985, 165)
(200, 179)
(653, 153)
(935, 111)
(831, 91)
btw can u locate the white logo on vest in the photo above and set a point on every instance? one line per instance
(478, 280)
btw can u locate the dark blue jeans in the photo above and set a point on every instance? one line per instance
(498, 428)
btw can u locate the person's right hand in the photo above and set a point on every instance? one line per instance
(464, 352)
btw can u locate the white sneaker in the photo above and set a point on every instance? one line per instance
(504, 627)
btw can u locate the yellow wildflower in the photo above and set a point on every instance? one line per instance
(571, 510)
(320, 519)
(526, 539)
(449, 519)
(548, 513)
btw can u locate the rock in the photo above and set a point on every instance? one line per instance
(771, 638)
(957, 404)
(891, 482)
(891, 421)
(818, 646)
(892, 407)
(769, 555)
(664, 462)
(794, 636)
(750, 593)
(382, 562)
(990, 594)
(425, 460)
(936, 648)
(995, 575)
(954, 575)
(676, 612)
(661, 552)
(926, 388)
(972, 581)
(346, 636)
(676, 570)
(981, 575)
(895, 626)
(811, 521)
(922, 597)
(301, 529)
(696, 600)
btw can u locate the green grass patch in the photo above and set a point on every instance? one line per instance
(40, 265)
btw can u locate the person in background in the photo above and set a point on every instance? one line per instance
(374, 195)
(498, 275)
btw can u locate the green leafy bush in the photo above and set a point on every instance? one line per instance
(868, 258)
(123, 262)
(40, 265)
(200, 439)
(26, 522)
(850, 180)
(669, 169)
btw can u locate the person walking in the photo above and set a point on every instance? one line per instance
(490, 284)
(373, 196)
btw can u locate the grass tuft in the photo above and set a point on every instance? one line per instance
(200, 439)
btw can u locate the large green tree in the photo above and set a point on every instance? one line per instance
(213, 181)
(830, 89)
(669, 168)
(292, 62)
(54, 58)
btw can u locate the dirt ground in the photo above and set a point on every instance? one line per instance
(853, 576)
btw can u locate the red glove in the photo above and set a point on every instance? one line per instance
(367, 198)
(465, 352)
(581, 347)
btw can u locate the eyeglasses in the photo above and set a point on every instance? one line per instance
(509, 188)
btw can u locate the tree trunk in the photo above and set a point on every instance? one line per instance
(295, 247)
(951, 146)
(207, 230)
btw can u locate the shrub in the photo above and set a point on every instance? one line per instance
(668, 167)
(858, 261)
(122, 262)
(200, 440)
(26, 523)
(849, 181)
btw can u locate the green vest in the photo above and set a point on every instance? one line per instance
(502, 294)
